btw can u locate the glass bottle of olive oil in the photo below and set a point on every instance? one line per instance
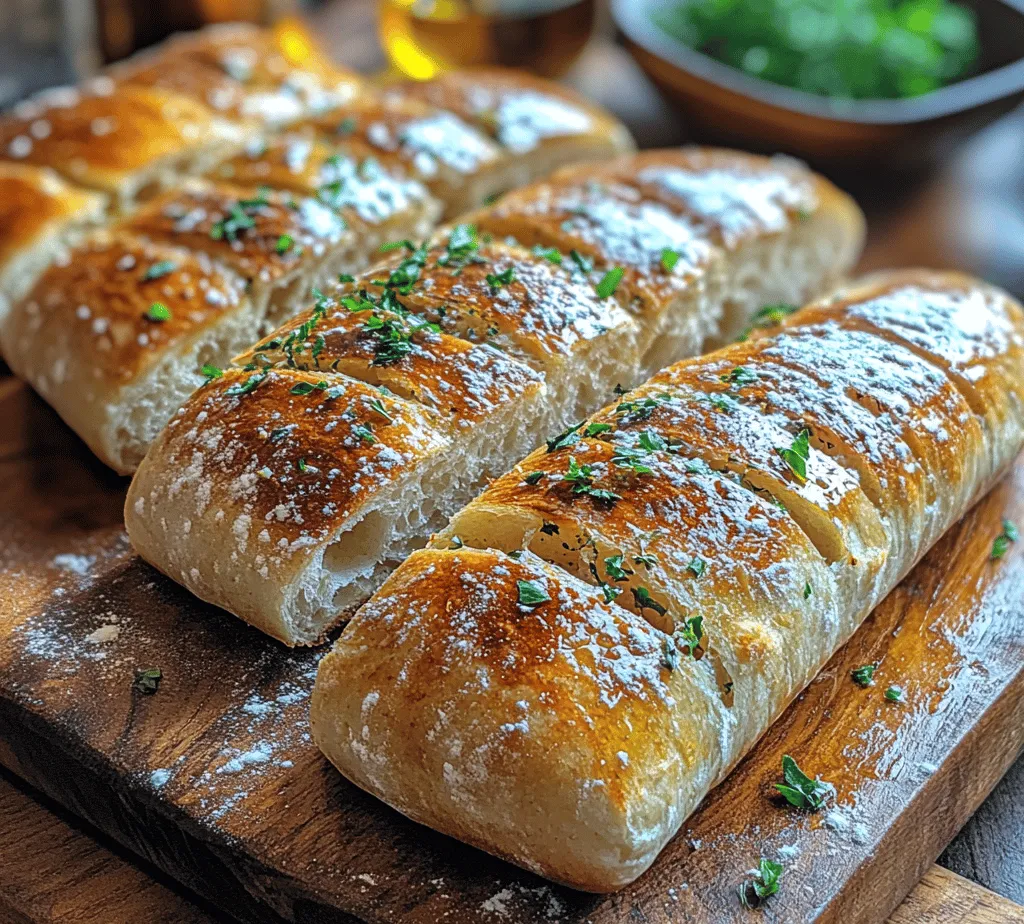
(425, 37)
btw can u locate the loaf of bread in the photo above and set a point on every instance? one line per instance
(285, 490)
(596, 640)
(177, 141)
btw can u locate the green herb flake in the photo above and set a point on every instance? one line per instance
(211, 372)
(864, 675)
(768, 316)
(697, 566)
(533, 478)
(551, 254)
(158, 312)
(799, 789)
(531, 594)
(365, 433)
(808, 590)
(244, 388)
(148, 679)
(669, 259)
(159, 269)
(609, 282)
(894, 694)
(377, 406)
(284, 243)
(499, 280)
(595, 429)
(741, 375)
(613, 566)
(307, 388)
(565, 438)
(763, 884)
(797, 454)
(1001, 545)
(690, 633)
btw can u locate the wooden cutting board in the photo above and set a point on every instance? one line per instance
(214, 777)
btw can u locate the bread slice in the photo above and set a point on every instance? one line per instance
(265, 76)
(40, 214)
(601, 635)
(126, 141)
(583, 312)
(538, 124)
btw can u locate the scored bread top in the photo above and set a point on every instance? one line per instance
(731, 569)
(299, 162)
(260, 233)
(519, 111)
(104, 136)
(36, 205)
(270, 76)
(504, 342)
(581, 671)
(463, 382)
(123, 302)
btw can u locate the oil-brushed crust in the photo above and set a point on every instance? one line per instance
(428, 324)
(573, 738)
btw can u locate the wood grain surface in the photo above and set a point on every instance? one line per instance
(51, 872)
(215, 780)
(56, 873)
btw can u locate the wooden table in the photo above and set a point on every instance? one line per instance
(969, 215)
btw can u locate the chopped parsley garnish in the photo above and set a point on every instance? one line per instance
(762, 885)
(243, 388)
(158, 312)
(644, 601)
(551, 254)
(651, 441)
(642, 409)
(582, 479)
(211, 372)
(344, 278)
(691, 632)
(768, 316)
(533, 477)
(799, 789)
(609, 282)
(565, 438)
(148, 680)
(894, 694)
(697, 566)
(377, 406)
(159, 269)
(531, 593)
(497, 280)
(284, 243)
(388, 246)
(797, 454)
(741, 375)
(461, 249)
(241, 216)
(307, 388)
(615, 570)
(808, 590)
(864, 675)
(633, 459)
(365, 433)
(301, 465)
(584, 265)
(669, 259)
(1002, 542)
(595, 429)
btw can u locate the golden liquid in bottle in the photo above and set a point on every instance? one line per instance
(426, 37)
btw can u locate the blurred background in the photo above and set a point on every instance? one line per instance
(913, 105)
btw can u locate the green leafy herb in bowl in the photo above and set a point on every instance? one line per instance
(843, 49)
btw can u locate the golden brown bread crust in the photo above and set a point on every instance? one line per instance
(116, 139)
(104, 316)
(261, 234)
(269, 76)
(523, 113)
(39, 212)
(751, 592)
(428, 323)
